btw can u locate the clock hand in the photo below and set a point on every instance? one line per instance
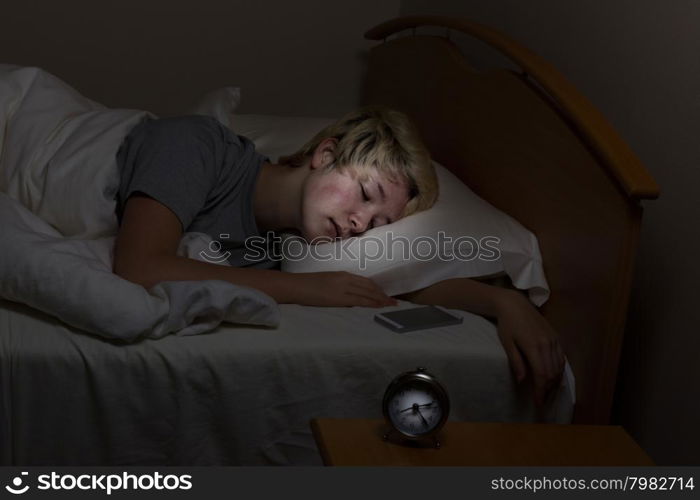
(423, 418)
(417, 406)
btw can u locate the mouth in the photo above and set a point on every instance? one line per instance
(335, 228)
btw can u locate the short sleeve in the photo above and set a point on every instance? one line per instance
(176, 161)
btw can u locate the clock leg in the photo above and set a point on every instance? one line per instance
(437, 443)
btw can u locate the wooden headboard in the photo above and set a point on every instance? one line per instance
(530, 144)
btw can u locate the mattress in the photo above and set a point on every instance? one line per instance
(239, 395)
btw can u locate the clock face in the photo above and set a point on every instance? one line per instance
(415, 409)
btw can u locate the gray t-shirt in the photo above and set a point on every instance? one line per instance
(201, 171)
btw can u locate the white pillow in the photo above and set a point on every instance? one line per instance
(275, 136)
(220, 103)
(459, 212)
(477, 240)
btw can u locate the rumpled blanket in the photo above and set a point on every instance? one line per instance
(58, 181)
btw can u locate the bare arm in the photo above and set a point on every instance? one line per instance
(528, 339)
(463, 293)
(145, 253)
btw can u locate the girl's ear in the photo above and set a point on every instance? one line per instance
(324, 154)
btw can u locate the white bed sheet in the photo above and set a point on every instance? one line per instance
(241, 395)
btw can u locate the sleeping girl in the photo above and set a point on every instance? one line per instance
(368, 169)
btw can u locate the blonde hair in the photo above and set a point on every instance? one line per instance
(379, 138)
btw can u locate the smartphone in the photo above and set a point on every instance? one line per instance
(417, 318)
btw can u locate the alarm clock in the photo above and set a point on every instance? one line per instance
(416, 406)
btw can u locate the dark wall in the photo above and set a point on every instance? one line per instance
(300, 58)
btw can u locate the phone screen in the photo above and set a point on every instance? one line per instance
(417, 318)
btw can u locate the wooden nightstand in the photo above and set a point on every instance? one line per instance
(359, 442)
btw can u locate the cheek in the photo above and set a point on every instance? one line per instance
(332, 195)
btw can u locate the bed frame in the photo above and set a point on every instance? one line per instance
(529, 143)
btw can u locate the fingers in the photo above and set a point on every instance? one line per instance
(371, 298)
(558, 360)
(547, 369)
(517, 364)
(562, 357)
(540, 377)
(367, 289)
(366, 301)
(560, 364)
(540, 380)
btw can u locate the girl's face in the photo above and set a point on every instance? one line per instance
(338, 204)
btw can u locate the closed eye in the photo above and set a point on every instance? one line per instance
(364, 193)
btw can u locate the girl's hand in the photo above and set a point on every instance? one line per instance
(531, 344)
(337, 289)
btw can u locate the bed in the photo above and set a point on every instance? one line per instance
(525, 141)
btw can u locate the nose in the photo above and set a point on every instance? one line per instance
(358, 223)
